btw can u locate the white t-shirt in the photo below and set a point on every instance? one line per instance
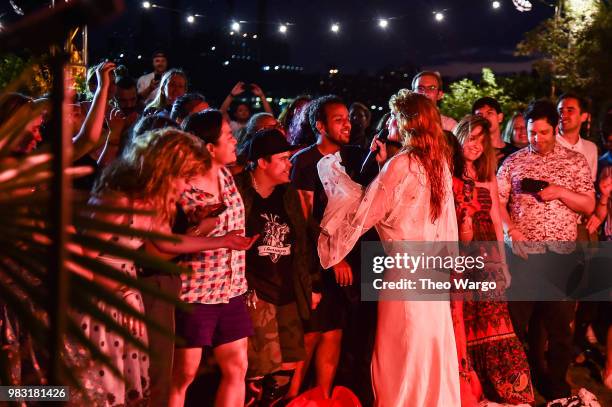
(585, 147)
(144, 81)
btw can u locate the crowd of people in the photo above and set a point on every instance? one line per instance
(268, 214)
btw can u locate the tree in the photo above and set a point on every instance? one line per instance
(596, 57)
(13, 66)
(458, 102)
(573, 47)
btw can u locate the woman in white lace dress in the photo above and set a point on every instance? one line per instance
(415, 359)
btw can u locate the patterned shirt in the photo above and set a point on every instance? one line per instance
(544, 222)
(218, 275)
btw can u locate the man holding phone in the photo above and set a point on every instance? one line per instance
(543, 189)
(148, 83)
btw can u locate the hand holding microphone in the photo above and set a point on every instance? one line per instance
(378, 150)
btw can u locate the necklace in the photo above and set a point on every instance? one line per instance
(258, 188)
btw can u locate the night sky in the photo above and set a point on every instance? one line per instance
(472, 34)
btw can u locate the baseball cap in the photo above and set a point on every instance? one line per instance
(267, 142)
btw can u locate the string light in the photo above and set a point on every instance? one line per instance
(383, 23)
(139, 57)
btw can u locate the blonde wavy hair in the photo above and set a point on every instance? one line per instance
(420, 129)
(150, 166)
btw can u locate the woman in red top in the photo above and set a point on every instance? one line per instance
(486, 341)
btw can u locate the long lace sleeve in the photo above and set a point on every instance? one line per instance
(350, 210)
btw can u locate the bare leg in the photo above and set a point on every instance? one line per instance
(310, 342)
(326, 360)
(233, 361)
(184, 370)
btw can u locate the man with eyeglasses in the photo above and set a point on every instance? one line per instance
(429, 84)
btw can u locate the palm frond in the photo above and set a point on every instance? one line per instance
(25, 185)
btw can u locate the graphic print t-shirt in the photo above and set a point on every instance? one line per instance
(269, 261)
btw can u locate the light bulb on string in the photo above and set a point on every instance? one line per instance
(439, 16)
(191, 19)
(146, 4)
(236, 26)
(383, 23)
(282, 28)
(496, 4)
(335, 28)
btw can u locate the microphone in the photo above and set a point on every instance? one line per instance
(371, 157)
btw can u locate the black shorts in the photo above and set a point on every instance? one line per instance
(331, 312)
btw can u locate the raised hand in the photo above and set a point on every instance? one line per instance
(103, 74)
(257, 90)
(237, 89)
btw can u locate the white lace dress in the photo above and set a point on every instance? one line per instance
(415, 358)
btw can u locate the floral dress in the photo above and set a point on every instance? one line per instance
(494, 351)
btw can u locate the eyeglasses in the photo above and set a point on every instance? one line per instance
(427, 89)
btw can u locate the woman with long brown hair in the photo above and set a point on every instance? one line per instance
(486, 342)
(415, 359)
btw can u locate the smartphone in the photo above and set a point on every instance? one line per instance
(532, 186)
(218, 210)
